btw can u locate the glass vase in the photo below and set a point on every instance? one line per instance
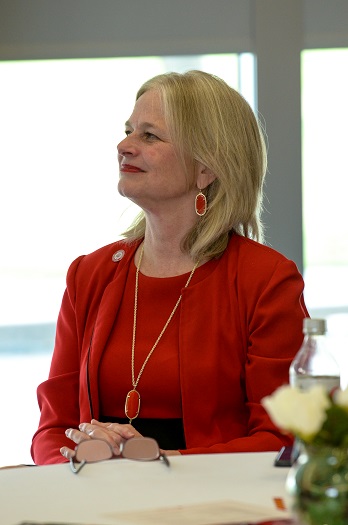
(317, 486)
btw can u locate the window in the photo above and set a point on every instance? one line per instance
(325, 191)
(60, 123)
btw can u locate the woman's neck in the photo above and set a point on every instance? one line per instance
(163, 259)
(164, 234)
(163, 255)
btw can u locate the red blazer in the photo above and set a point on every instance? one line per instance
(240, 327)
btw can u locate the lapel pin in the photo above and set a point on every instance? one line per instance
(117, 256)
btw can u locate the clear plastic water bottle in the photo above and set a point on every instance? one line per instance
(314, 364)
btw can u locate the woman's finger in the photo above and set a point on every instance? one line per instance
(76, 435)
(67, 452)
(125, 431)
(96, 432)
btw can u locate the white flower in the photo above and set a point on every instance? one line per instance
(341, 398)
(300, 412)
(282, 406)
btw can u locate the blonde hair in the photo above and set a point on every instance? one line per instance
(211, 123)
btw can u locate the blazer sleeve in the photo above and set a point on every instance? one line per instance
(271, 317)
(58, 397)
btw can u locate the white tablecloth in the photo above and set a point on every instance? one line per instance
(129, 492)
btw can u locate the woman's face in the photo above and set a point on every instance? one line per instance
(151, 173)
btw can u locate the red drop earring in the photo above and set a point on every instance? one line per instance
(201, 204)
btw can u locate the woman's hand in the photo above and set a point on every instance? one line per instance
(114, 433)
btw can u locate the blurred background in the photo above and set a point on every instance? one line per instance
(69, 72)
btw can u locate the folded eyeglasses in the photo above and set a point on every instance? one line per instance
(94, 450)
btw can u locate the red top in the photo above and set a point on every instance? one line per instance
(239, 327)
(159, 385)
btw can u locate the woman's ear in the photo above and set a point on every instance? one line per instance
(204, 176)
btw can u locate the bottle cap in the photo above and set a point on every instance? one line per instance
(314, 326)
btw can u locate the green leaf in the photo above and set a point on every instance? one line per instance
(334, 431)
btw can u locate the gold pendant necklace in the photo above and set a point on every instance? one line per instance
(132, 404)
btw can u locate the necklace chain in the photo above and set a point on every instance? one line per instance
(136, 381)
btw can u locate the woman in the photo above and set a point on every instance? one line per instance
(179, 330)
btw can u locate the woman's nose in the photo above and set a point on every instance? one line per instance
(126, 146)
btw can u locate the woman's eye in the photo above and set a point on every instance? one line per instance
(146, 135)
(150, 136)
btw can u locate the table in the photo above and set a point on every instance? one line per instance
(124, 492)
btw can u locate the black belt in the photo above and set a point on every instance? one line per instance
(169, 433)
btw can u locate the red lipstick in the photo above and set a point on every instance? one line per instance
(129, 168)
